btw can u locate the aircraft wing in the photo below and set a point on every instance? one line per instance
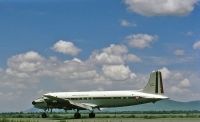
(81, 105)
(72, 104)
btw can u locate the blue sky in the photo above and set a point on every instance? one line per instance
(42, 41)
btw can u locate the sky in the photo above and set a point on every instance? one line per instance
(86, 45)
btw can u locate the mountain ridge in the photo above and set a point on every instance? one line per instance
(163, 105)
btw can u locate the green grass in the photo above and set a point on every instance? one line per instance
(102, 117)
(103, 120)
(16, 120)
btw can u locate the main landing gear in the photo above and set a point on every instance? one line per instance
(44, 115)
(77, 115)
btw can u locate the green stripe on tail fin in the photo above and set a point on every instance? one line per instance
(154, 85)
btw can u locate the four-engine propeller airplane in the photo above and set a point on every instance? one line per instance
(91, 100)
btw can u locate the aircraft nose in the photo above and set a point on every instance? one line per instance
(33, 102)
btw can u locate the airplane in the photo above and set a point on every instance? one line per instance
(92, 100)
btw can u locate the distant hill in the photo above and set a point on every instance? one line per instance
(32, 110)
(163, 105)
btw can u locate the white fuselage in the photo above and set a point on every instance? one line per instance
(108, 98)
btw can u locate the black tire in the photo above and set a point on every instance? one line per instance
(44, 115)
(92, 115)
(77, 115)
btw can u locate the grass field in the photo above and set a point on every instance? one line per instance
(102, 120)
(128, 117)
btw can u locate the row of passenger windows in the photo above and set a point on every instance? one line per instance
(95, 98)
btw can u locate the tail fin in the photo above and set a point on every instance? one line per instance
(154, 84)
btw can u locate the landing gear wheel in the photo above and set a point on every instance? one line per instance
(77, 115)
(92, 115)
(44, 115)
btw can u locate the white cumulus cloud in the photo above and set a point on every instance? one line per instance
(32, 65)
(113, 55)
(140, 40)
(105, 58)
(184, 83)
(66, 47)
(116, 49)
(179, 84)
(165, 73)
(161, 7)
(23, 64)
(132, 58)
(117, 72)
(196, 45)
